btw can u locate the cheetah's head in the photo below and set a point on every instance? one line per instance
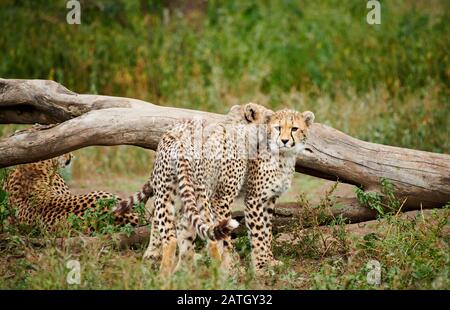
(62, 160)
(287, 131)
(251, 113)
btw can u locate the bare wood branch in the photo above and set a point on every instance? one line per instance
(140, 235)
(288, 213)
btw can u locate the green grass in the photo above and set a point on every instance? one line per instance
(413, 256)
(413, 253)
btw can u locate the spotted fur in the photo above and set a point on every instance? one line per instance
(201, 163)
(39, 194)
(270, 175)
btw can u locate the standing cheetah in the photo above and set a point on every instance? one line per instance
(270, 175)
(207, 166)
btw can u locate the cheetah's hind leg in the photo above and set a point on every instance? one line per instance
(185, 237)
(154, 251)
(168, 257)
(163, 223)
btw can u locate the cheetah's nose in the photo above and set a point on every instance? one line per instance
(285, 141)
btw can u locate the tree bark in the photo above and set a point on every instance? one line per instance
(121, 241)
(288, 214)
(423, 178)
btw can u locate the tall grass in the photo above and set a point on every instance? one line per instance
(386, 83)
(412, 252)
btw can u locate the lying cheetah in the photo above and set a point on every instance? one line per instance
(39, 194)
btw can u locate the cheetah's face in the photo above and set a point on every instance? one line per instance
(288, 130)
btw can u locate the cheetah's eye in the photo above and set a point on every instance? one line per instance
(277, 128)
(294, 129)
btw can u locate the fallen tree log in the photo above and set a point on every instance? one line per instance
(290, 214)
(422, 178)
(121, 241)
(347, 207)
(380, 228)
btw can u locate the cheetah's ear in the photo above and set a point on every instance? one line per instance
(308, 116)
(255, 113)
(236, 109)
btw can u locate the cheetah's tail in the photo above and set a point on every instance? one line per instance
(223, 229)
(212, 232)
(141, 196)
(187, 194)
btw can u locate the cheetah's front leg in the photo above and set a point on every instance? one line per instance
(254, 220)
(269, 210)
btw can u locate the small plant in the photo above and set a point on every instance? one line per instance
(127, 229)
(100, 220)
(371, 199)
(6, 211)
(141, 212)
(340, 235)
(306, 238)
(388, 190)
(75, 222)
(384, 203)
(243, 246)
